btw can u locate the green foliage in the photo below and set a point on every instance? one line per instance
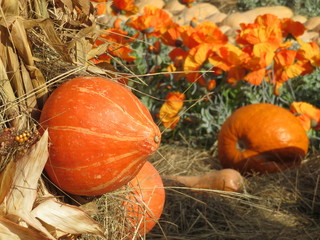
(308, 8)
(206, 110)
(306, 88)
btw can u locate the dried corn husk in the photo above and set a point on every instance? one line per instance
(12, 231)
(57, 218)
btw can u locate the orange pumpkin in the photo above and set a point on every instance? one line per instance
(100, 135)
(145, 202)
(261, 138)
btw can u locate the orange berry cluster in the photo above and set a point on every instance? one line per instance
(23, 137)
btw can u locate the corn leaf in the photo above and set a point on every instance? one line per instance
(12, 231)
(6, 179)
(66, 218)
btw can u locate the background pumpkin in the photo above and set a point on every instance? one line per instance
(100, 135)
(261, 138)
(145, 203)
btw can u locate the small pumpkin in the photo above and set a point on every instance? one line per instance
(146, 200)
(100, 135)
(261, 138)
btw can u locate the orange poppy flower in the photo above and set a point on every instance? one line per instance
(153, 22)
(230, 58)
(155, 48)
(211, 84)
(126, 7)
(117, 23)
(177, 56)
(257, 67)
(310, 52)
(117, 45)
(265, 29)
(291, 27)
(285, 67)
(169, 110)
(236, 74)
(101, 9)
(197, 56)
(308, 114)
(262, 38)
(177, 36)
(207, 32)
(103, 58)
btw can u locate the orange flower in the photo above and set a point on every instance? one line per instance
(153, 22)
(261, 39)
(155, 48)
(310, 52)
(291, 27)
(101, 9)
(211, 84)
(230, 58)
(117, 45)
(265, 29)
(257, 66)
(207, 32)
(194, 62)
(177, 56)
(170, 109)
(256, 77)
(308, 114)
(176, 35)
(103, 58)
(126, 7)
(117, 23)
(285, 67)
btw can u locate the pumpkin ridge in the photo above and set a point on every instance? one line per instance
(119, 176)
(108, 160)
(93, 133)
(148, 118)
(81, 89)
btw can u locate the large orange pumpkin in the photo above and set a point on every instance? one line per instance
(261, 138)
(100, 135)
(145, 202)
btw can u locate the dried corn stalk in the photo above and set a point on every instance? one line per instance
(20, 78)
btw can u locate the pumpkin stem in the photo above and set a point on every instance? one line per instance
(156, 139)
(241, 146)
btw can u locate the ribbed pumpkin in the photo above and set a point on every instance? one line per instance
(261, 138)
(145, 202)
(100, 135)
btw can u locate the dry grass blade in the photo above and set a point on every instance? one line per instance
(51, 36)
